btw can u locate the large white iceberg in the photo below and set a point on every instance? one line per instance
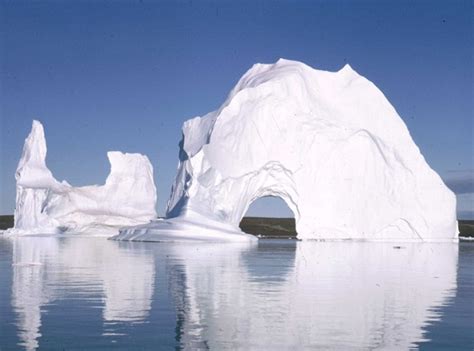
(328, 143)
(44, 205)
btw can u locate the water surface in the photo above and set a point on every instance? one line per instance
(92, 293)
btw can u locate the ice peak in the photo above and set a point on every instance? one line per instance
(347, 68)
(348, 72)
(32, 167)
(34, 149)
(133, 165)
(36, 124)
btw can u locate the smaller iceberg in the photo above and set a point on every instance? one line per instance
(44, 205)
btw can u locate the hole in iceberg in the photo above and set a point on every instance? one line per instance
(269, 217)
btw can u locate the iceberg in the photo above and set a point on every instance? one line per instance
(44, 205)
(328, 143)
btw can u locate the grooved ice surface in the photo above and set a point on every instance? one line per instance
(328, 143)
(44, 205)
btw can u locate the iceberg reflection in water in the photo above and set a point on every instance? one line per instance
(334, 295)
(274, 295)
(47, 269)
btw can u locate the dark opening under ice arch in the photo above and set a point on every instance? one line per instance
(269, 216)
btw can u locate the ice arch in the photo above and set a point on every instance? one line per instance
(328, 143)
(269, 217)
(271, 181)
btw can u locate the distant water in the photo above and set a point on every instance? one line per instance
(91, 293)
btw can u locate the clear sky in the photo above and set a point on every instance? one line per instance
(108, 75)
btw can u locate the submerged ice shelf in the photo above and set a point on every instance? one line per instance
(189, 228)
(328, 143)
(44, 205)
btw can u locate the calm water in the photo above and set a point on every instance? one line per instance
(91, 293)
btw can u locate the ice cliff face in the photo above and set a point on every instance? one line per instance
(329, 144)
(44, 205)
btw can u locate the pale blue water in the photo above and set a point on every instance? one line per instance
(91, 293)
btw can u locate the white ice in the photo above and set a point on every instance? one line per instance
(328, 143)
(44, 205)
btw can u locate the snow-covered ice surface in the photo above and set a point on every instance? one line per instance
(328, 143)
(44, 205)
(185, 228)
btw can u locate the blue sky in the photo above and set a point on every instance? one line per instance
(108, 75)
